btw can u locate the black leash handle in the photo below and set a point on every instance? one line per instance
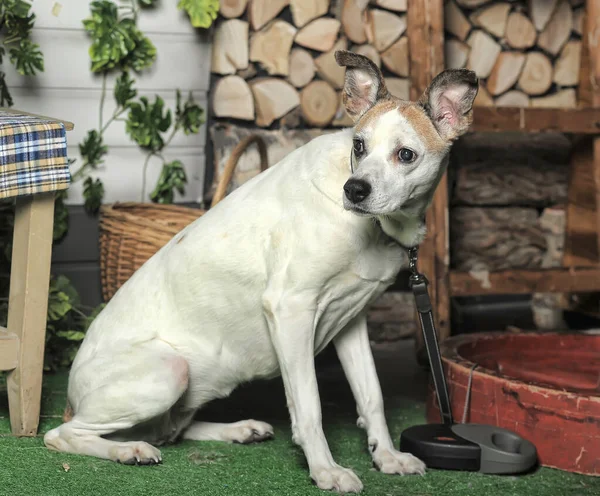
(418, 284)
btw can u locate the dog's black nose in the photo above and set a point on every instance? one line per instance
(357, 190)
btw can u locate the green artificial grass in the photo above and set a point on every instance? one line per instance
(276, 467)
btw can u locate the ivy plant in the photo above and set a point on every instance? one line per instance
(16, 23)
(119, 47)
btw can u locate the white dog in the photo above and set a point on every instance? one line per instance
(264, 281)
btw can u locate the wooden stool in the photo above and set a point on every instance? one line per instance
(33, 179)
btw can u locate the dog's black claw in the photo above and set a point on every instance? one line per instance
(142, 462)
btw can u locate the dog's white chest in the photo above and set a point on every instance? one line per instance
(348, 293)
(379, 262)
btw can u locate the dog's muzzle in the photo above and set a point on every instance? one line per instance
(357, 190)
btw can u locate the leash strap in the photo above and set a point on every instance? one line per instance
(418, 284)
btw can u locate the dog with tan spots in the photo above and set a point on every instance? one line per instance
(295, 257)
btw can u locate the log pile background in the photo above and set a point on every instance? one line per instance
(527, 53)
(508, 195)
(274, 74)
(274, 59)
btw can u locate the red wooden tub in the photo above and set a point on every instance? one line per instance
(545, 387)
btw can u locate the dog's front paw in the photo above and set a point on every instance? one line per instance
(396, 462)
(135, 453)
(339, 479)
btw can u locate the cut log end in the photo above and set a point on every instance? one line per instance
(232, 8)
(492, 18)
(302, 68)
(353, 21)
(395, 58)
(558, 29)
(329, 69)
(456, 54)
(506, 72)
(232, 98)
(304, 11)
(536, 77)
(230, 47)
(520, 32)
(383, 28)
(566, 68)
(398, 87)
(319, 34)
(261, 12)
(271, 47)
(273, 99)
(455, 21)
(484, 52)
(319, 103)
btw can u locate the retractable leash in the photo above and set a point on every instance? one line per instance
(484, 448)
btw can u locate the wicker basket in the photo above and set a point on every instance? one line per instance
(130, 233)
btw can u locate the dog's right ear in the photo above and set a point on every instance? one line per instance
(363, 85)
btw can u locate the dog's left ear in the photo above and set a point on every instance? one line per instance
(449, 101)
(363, 84)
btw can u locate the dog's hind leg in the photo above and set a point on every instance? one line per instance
(243, 432)
(114, 394)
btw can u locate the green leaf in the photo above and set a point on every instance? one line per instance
(172, 178)
(93, 193)
(61, 216)
(58, 305)
(71, 335)
(27, 58)
(124, 90)
(104, 18)
(147, 3)
(17, 8)
(93, 149)
(116, 42)
(111, 39)
(146, 121)
(189, 117)
(143, 53)
(202, 13)
(5, 97)
(18, 27)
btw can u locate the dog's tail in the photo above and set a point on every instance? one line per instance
(68, 413)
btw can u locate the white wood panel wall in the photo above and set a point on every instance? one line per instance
(68, 90)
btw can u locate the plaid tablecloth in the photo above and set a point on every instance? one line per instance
(33, 155)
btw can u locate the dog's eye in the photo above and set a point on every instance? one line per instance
(359, 147)
(406, 155)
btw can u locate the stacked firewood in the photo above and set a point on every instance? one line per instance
(507, 201)
(275, 58)
(527, 53)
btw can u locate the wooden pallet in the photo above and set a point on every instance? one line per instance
(426, 29)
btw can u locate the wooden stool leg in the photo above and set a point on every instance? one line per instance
(28, 306)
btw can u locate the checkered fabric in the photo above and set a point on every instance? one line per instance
(33, 155)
